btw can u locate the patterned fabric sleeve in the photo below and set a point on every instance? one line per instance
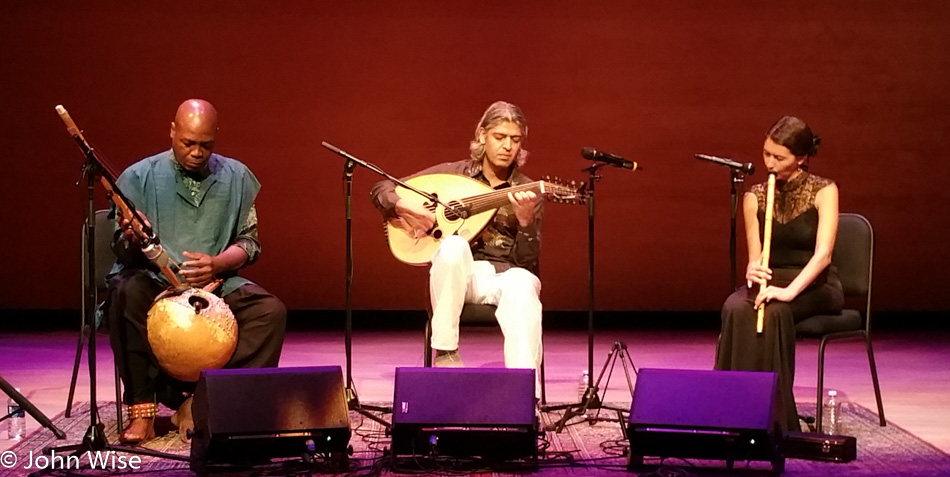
(247, 237)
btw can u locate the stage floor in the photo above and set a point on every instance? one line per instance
(914, 367)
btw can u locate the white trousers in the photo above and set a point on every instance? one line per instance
(456, 278)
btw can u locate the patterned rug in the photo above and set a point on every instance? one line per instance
(581, 449)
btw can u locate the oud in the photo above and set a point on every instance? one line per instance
(469, 206)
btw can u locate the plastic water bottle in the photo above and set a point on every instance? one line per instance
(831, 414)
(582, 385)
(582, 389)
(16, 427)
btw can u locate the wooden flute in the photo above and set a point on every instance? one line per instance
(766, 245)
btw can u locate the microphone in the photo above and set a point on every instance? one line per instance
(607, 158)
(747, 168)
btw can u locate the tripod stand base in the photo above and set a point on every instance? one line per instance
(94, 441)
(589, 395)
(353, 404)
(591, 399)
(591, 402)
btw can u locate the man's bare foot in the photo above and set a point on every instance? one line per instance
(139, 430)
(184, 420)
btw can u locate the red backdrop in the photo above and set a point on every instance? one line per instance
(402, 84)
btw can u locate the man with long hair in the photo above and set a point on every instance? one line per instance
(500, 266)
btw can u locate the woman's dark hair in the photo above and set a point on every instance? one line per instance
(794, 134)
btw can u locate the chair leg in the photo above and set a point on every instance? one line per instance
(821, 383)
(72, 381)
(877, 387)
(427, 349)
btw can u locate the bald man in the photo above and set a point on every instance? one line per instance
(201, 206)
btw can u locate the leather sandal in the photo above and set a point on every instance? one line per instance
(141, 426)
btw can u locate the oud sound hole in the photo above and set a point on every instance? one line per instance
(450, 214)
(437, 233)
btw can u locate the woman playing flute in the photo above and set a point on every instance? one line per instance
(799, 280)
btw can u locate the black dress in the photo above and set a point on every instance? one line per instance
(794, 232)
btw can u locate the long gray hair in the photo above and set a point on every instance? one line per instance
(497, 113)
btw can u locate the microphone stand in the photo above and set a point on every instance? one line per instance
(737, 170)
(352, 400)
(736, 191)
(590, 399)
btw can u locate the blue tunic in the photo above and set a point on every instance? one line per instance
(205, 219)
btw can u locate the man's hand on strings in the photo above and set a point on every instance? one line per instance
(199, 271)
(417, 216)
(132, 230)
(524, 203)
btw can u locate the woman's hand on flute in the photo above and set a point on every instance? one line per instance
(756, 273)
(773, 293)
(199, 271)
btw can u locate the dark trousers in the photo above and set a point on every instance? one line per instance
(260, 316)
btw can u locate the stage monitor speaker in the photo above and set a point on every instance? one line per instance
(248, 416)
(718, 415)
(465, 412)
